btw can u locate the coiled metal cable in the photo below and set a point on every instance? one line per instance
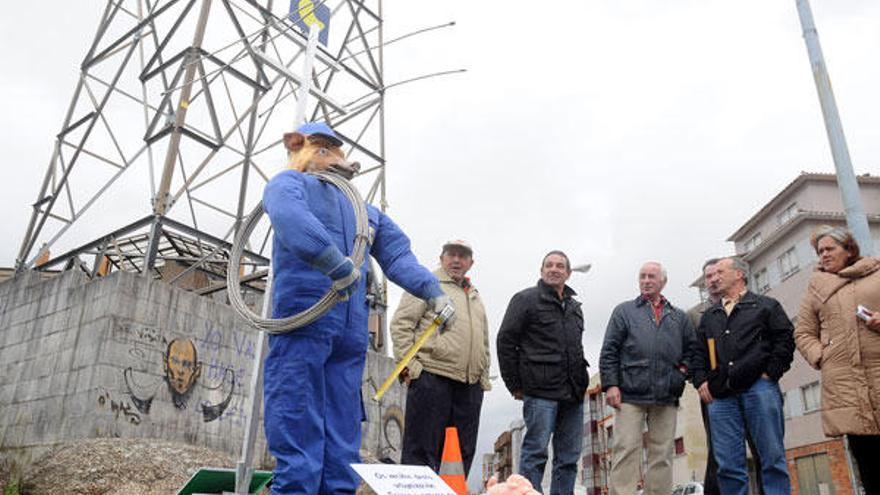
(284, 325)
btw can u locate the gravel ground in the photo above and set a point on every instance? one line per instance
(118, 467)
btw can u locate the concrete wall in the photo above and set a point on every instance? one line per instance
(123, 356)
(383, 431)
(120, 356)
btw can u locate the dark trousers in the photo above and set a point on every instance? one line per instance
(434, 402)
(710, 479)
(864, 450)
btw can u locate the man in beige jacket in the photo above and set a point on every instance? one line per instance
(448, 376)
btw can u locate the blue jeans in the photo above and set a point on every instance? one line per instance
(760, 410)
(565, 422)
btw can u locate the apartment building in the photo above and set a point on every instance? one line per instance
(690, 450)
(776, 244)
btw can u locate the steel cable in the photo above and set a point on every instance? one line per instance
(284, 325)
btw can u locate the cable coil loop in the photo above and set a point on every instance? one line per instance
(284, 325)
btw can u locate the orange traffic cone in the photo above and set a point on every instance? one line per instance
(451, 466)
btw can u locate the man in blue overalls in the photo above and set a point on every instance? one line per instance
(313, 374)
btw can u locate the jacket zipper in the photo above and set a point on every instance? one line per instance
(467, 366)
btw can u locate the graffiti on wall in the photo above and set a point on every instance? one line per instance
(182, 372)
(119, 408)
(392, 426)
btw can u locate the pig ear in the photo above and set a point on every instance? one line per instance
(294, 141)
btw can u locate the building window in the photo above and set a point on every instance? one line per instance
(810, 393)
(814, 475)
(788, 263)
(786, 405)
(787, 214)
(679, 446)
(753, 242)
(762, 281)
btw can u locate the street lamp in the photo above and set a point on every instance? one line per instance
(582, 268)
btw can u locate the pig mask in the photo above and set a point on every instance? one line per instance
(317, 153)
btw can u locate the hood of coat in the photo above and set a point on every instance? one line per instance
(861, 268)
(824, 285)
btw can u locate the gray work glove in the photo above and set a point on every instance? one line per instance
(345, 277)
(438, 303)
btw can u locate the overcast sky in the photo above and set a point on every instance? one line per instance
(617, 131)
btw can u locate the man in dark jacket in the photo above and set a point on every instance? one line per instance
(710, 479)
(542, 363)
(744, 346)
(643, 366)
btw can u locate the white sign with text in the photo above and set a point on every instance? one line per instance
(395, 479)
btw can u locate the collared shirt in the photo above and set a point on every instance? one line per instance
(466, 284)
(729, 304)
(657, 307)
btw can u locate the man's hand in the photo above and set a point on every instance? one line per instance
(518, 394)
(612, 397)
(874, 321)
(404, 375)
(344, 277)
(705, 395)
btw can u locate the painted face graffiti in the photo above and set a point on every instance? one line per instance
(182, 376)
(182, 367)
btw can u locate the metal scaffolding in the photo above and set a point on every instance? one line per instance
(176, 120)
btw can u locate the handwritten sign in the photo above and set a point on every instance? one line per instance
(394, 479)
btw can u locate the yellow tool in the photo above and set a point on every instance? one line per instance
(438, 320)
(713, 360)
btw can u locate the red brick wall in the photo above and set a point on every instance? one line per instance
(836, 459)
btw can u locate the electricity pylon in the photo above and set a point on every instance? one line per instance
(175, 126)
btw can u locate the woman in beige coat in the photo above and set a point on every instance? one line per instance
(845, 346)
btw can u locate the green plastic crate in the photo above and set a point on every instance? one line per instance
(219, 480)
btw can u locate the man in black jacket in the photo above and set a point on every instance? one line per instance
(644, 365)
(542, 363)
(744, 346)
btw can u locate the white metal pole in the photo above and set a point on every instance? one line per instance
(306, 86)
(244, 470)
(847, 183)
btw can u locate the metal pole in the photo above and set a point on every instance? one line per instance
(856, 220)
(161, 206)
(302, 98)
(383, 201)
(244, 470)
(162, 201)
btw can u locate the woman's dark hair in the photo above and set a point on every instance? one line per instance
(841, 236)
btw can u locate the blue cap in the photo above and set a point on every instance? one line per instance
(320, 129)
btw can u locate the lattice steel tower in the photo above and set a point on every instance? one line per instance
(175, 126)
